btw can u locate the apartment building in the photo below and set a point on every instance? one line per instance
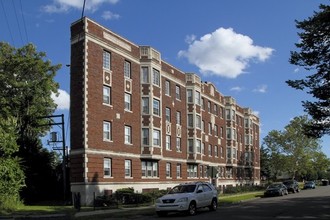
(137, 121)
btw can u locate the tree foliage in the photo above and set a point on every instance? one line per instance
(26, 85)
(292, 152)
(313, 55)
(11, 174)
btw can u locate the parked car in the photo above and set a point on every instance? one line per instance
(276, 189)
(188, 197)
(292, 186)
(309, 185)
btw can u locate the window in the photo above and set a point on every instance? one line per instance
(208, 106)
(203, 126)
(221, 132)
(215, 109)
(216, 132)
(192, 170)
(210, 150)
(203, 148)
(106, 60)
(145, 136)
(189, 95)
(178, 170)
(145, 105)
(221, 112)
(168, 170)
(107, 167)
(145, 74)
(167, 88)
(202, 104)
(177, 93)
(168, 114)
(128, 134)
(216, 151)
(198, 146)
(156, 137)
(210, 128)
(128, 168)
(178, 118)
(228, 114)
(191, 146)
(197, 98)
(127, 70)
(156, 77)
(107, 131)
(221, 152)
(106, 95)
(228, 133)
(228, 153)
(233, 115)
(178, 144)
(149, 168)
(156, 107)
(128, 104)
(198, 121)
(190, 120)
(168, 142)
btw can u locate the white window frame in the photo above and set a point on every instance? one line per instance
(178, 144)
(128, 102)
(128, 168)
(155, 77)
(107, 95)
(177, 92)
(107, 167)
(106, 60)
(156, 107)
(167, 88)
(145, 74)
(145, 136)
(149, 169)
(168, 142)
(168, 170)
(145, 105)
(156, 137)
(168, 114)
(178, 170)
(107, 131)
(127, 69)
(128, 134)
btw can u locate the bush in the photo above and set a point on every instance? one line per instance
(9, 204)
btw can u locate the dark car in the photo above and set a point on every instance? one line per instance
(292, 185)
(309, 185)
(276, 189)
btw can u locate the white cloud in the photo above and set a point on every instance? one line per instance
(62, 100)
(261, 89)
(236, 88)
(296, 70)
(190, 39)
(62, 6)
(108, 15)
(224, 53)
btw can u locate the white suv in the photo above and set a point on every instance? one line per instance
(188, 197)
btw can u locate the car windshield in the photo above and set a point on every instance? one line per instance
(278, 185)
(182, 189)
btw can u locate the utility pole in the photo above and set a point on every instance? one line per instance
(54, 140)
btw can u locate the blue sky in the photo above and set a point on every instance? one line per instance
(243, 47)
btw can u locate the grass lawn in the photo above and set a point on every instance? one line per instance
(70, 211)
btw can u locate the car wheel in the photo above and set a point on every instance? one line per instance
(161, 213)
(192, 209)
(214, 205)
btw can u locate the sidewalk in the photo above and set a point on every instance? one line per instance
(109, 211)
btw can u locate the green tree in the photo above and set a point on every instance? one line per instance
(313, 55)
(298, 147)
(272, 144)
(26, 85)
(11, 174)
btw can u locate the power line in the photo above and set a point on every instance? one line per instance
(19, 28)
(26, 35)
(4, 12)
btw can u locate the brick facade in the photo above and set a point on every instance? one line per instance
(219, 138)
